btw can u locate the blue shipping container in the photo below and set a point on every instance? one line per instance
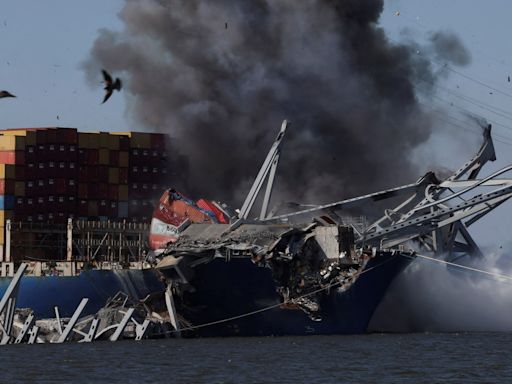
(122, 207)
(6, 202)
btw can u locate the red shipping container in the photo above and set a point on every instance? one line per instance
(30, 153)
(30, 187)
(113, 191)
(102, 191)
(30, 171)
(92, 191)
(114, 158)
(124, 143)
(41, 136)
(12, 157)
(20, 205)
(67, 135)
(83, 175)
(51, 136)
(103, 173)
(93, 156)
(82, 208)
(82, 156)
(158, 141)
(71, 190)
(19, 172)
(60, 186)
(123, 175)
(92, 174)
(82, 191)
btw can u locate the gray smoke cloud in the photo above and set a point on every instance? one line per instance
(220, 76)
(448, 47)
(436, 298)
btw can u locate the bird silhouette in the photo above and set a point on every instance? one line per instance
(6, 94)
(110, 85)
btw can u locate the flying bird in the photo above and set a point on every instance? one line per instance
(110, 85)
(6, 94)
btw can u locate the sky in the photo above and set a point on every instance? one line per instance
(43, 47)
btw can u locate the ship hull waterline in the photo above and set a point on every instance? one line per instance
(238, 298)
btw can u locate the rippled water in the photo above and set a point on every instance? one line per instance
(375, 358)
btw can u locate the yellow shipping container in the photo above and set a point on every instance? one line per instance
(123, 159)
(2, 235)
(113, 175)
(11, 142)
(14, 132)
(7, 171)
(104, 156)
(123, 192)
(19, 188)
(30, 136)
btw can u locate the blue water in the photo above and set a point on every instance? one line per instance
(374, 358)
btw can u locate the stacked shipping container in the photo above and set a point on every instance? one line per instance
(50, 174)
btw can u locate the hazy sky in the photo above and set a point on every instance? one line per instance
(44, 43)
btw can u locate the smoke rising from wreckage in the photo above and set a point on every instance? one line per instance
(219, 91)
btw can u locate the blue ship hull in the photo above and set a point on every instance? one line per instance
(42, 293)
(232, 289)
(222, 290)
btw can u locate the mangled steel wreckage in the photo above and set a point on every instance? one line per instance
(312, 270)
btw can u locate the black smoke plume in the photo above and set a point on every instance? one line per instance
(220, 76)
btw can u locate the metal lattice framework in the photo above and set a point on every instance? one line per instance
(434, 215)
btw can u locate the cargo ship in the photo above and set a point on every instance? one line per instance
(311, 271)
(306, 271)
(76, 207)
